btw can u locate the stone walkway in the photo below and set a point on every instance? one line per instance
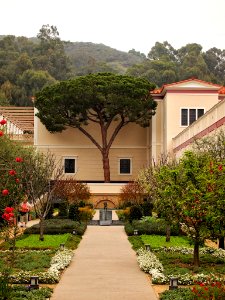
(104, 267)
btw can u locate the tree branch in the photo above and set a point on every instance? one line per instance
(90, 137)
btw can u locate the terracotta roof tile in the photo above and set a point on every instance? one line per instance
(156, 91)
(159, 90)
(222, 90)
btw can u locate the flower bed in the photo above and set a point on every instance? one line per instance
(58, 262)
(149, 263)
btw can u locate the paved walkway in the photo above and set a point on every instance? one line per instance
(104, 267)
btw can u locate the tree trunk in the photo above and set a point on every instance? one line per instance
(196, 254)
(168, 229)
(41, 237)
(106, 167)
(221, 243)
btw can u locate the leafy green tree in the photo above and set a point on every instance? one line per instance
(186, 190)
(214, 146)
(43, 173)
(137, 53)
(184, 194)
(33, 81)
(215, 60)
(163, 51)
(51, 53)
(192, 63)
(161, 67)
(97, 98)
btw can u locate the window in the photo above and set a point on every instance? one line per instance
(69, 165)
(125, 166)
(189, 115)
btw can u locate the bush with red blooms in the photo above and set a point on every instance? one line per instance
(210, 290)
(8, 215)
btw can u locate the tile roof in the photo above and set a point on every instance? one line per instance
(159, 90)
(222, 90)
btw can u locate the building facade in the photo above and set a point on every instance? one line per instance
(187, 109)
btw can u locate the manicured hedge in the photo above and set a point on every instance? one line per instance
(178, 294)
(150, 226)
(22, 293)
(58, 226)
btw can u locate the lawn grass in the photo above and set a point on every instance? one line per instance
(32, 241)
(156, 241)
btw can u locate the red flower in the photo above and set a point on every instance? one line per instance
(12, 172)
(220, 167)
(8, 210)
(17, 180)
(202, 284)
(19, 159)
(5, 192)
(1, 133)
(8, 217)
(3, 122)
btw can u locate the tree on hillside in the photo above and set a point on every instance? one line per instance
(163, 51)
(215, 60)
(192, 63)
(51, 53)
(111, 101)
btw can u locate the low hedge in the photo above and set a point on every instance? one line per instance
(21, 293)
(150, 226)
(178, 294)
(58, 226)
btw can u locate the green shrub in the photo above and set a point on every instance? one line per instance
(81, 204)
(58, 226)
(21, 293)
(147, 208)
(123, 214)
(150, 225)
(63, 209)
(135, 213)
(74, 213)
(178, 294)
(86, 213)
(5, 288)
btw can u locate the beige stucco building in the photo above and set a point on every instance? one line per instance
(186, 109)
(182, 107)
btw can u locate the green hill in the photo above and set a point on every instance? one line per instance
(87, 57)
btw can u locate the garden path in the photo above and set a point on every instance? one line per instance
(104, 267)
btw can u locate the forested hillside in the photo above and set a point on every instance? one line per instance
(28, 65)
(92, 58)
(166, 64)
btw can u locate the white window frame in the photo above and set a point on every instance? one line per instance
(131, 169)
(70, 157)
(189, 108)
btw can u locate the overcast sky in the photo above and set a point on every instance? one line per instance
(120, 24)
